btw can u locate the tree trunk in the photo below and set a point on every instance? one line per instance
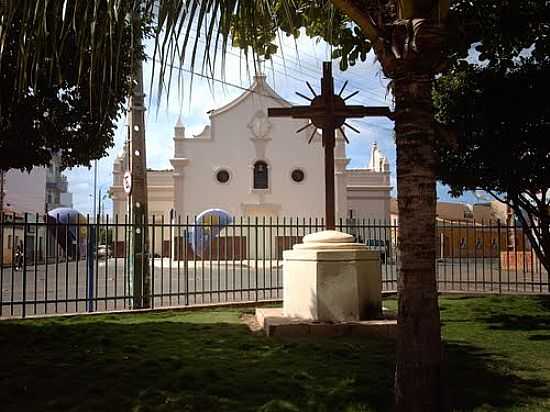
(419, 383)
(545, 240)
(537, 230)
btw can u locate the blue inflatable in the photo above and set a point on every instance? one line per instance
(69, 221)
(209, 224)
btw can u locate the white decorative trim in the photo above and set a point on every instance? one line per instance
(179, 162)
(261, 191)
(204, 135)
(260, 126)
(259, 85)
(274, 207)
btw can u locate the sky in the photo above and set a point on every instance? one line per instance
(191, 97)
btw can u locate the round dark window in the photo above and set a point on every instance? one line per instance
(222, 176)
(298, 175)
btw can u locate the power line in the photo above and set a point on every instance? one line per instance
(215, 32)
(214, 79)
(237, 86)
(313, 71)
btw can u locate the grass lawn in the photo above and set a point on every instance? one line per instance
(498, 351)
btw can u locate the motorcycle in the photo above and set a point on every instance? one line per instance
(18, 260)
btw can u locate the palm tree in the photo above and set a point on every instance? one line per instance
(411, 53)
(406, 36)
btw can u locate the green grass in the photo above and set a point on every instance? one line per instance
(498, 351)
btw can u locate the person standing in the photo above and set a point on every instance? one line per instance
(19, 255)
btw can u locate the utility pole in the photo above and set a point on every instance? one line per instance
(94, 210)
(137, 176)
(1, 191)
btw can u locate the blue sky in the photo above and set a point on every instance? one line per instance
(294, 64)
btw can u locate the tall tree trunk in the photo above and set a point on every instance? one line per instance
(419, 384)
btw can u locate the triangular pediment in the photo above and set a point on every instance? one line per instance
(260, 87)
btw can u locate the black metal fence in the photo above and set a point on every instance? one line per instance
(80, 266)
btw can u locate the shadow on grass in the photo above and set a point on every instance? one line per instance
(179, 366)
(533, 318)
(543, 301)
(507, 313)
(478, 378)
(509, 321)
(539, 337)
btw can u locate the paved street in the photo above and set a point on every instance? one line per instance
(173, 284)
(213, 282)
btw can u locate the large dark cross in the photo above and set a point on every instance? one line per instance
(328, 112)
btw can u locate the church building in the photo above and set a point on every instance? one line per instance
(250, 165)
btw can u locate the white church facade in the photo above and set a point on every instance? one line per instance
(250, 165)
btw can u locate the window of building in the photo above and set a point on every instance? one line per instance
(223, 176)
(298, 175)
(261, 179)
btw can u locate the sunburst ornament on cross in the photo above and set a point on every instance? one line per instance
(328, 112)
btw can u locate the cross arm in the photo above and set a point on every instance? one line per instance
(365, 111)
(308, 112)
(296, 112)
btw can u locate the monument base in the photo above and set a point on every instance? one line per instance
(331, 287)
(329, 278)
(274, 323)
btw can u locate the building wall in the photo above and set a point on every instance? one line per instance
(57, 186)
(491, 211)
(231, 144)
(66, 199)
(160, 197)
(368, 194)
(240, 134)
(454, 211)
(26, 192)
(461, 240)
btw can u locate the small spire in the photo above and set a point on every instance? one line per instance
(179, 129)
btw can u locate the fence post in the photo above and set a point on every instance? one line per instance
(498, 258)
(2, 228)
(256, 254)
(24, 262)
(90, 270)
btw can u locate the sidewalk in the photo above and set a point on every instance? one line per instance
(252, 264)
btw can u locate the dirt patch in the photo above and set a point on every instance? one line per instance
(249, 320)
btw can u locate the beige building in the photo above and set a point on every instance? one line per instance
(467, 230)
(250, 165)
(461, 212)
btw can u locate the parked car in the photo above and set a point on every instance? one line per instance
(104, 251)
(379, 245)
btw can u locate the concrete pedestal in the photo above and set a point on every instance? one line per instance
(328, 278)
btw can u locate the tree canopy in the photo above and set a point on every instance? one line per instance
(64, 107)
(502, 146)
(494, 108)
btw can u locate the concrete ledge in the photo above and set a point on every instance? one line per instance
(274, 323)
